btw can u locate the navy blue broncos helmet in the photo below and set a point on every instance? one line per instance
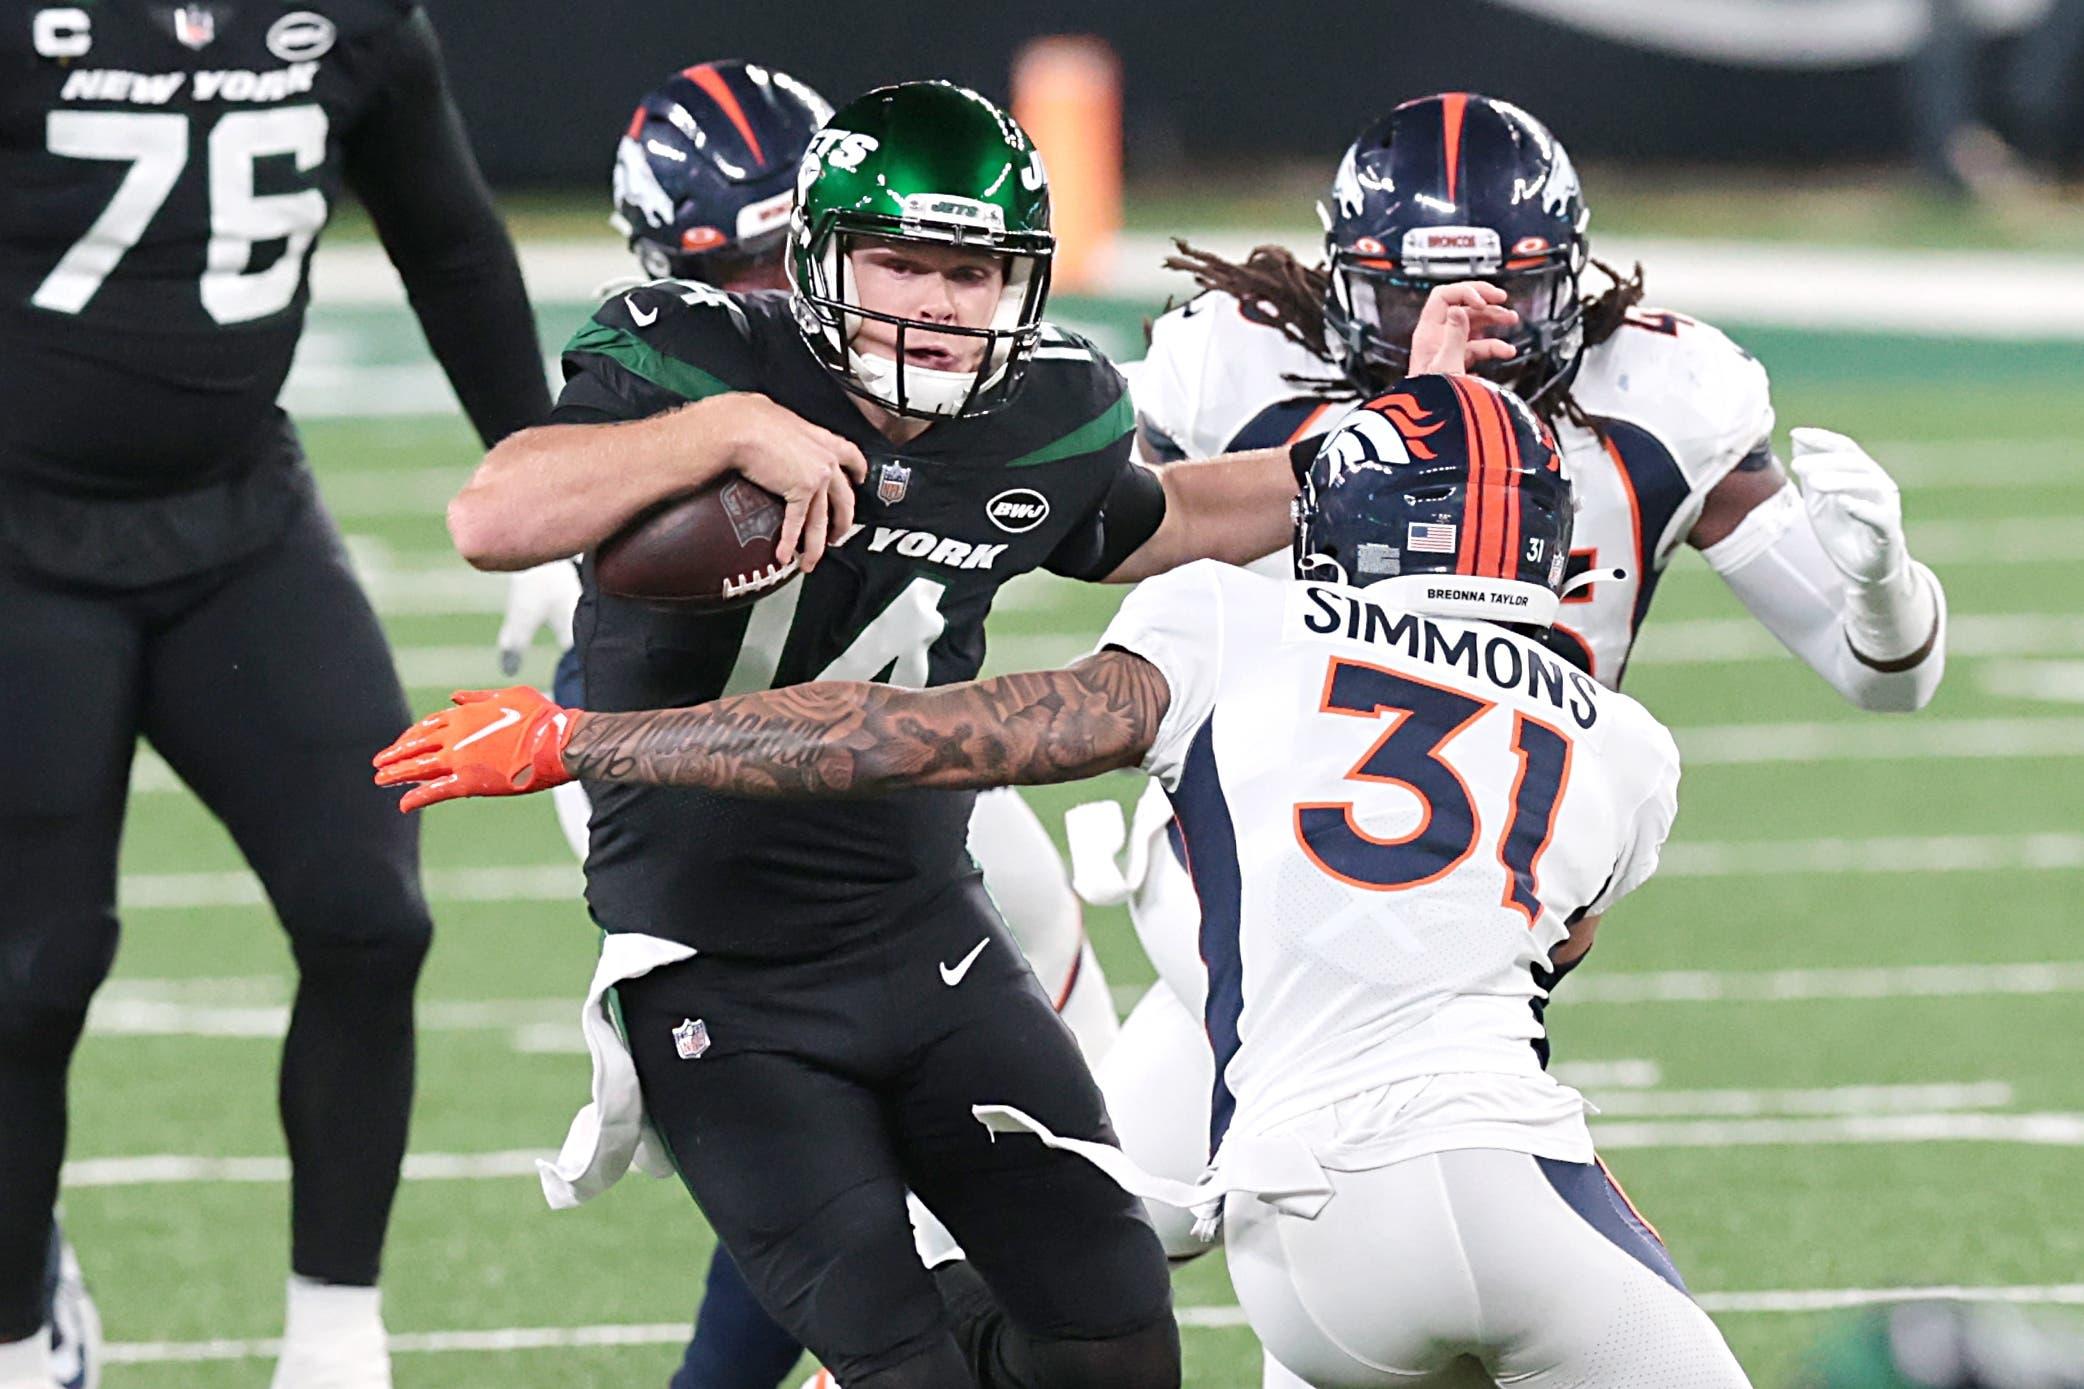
(1453, 187)
(707, 167)
(1447, 492)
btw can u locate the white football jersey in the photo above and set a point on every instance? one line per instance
(1680, 405)
(1390, 821)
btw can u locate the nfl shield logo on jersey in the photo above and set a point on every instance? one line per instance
(195, 25)
(691, 1038)
(892, 481)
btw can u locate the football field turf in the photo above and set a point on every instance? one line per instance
(1835, 1042)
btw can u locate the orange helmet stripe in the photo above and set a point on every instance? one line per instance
(1466, 553)
(711, 81)
(1453, 105)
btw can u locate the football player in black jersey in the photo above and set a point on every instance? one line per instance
(814, 997)
(166, 568)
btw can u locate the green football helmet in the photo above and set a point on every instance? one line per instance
(926, 162)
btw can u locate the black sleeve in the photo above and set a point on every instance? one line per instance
(598, 390)
(411, 164)
(1128, 515)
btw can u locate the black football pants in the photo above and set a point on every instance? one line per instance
(267, 686)
(823, 1089)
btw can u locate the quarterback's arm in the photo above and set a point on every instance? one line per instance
(410, 162)
(1828, 572)
(831, 738)
(549, 493)
(1233, 508)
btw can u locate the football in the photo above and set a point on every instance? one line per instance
(710, 549)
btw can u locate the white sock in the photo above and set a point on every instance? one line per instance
(26, 1364)
(332, 1335)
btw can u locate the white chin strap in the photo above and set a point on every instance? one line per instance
(925, 390)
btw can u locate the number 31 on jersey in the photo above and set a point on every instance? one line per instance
(1424, 719)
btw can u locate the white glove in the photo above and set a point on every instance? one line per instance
(1853, 504)
(536, 598)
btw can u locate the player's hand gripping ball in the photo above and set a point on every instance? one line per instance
(493, 743)
(711, 550)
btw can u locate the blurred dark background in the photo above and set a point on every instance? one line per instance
(546, 83)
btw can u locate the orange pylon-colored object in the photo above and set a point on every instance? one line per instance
(1067, 95)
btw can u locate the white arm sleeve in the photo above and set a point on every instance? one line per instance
(1883, 647)
(1648, 830)
(1175, 621)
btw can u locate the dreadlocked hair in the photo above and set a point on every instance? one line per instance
(1604, 313)
(1272, 288)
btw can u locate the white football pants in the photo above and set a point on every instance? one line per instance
(1414, 1269)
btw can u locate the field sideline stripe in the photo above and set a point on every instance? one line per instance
(1211, 1317)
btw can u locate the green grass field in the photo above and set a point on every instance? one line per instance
(1853, 853)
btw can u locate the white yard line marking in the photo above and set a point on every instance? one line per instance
(1625, 1073)
(1950, 464)
(1836, 1299)
(157, 1169)
(1957, 853)
(533, 883)
(2051, 1129)
(1840, 1099)
(2058, 1130)
(530, 1019)
(1730, 640)
(1208, 1317)
(1852, 739)
(1707, 859)
(1858, 739)
(2054, 682)
(1781, 985)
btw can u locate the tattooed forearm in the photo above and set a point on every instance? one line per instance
(853, 739)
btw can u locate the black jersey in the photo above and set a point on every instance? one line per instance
(165, 169)
(941, 523)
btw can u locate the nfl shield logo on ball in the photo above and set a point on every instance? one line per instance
(892, 481)
(691, 1038)
(754, 514)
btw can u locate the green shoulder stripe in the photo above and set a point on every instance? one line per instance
(630, 351)
(1118, 419)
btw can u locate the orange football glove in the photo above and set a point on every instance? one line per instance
(493, 743)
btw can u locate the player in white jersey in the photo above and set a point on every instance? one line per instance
(1663, 424)
(1398, 805)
